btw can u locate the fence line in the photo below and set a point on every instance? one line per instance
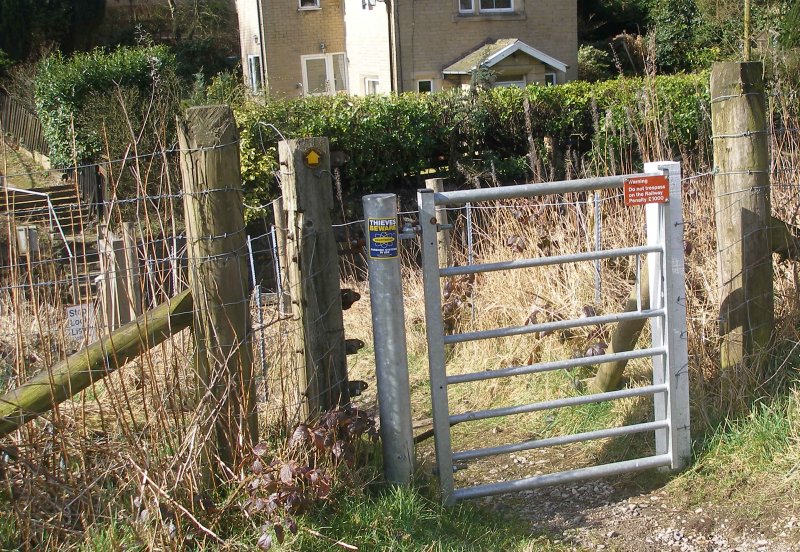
(21, 123)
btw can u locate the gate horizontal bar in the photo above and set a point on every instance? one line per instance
(560, 440)
(560, 478)
(553, 326)
(555, 365)
(558, 403)
(549, 261)
(460, 197)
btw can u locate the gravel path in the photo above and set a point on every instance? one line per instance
(602, 515)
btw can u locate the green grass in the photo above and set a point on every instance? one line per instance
(759, 447)
(8, 531)
(400, 519)
(25, 172)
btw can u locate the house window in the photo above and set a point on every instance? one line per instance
(465, 6)
(550, 79)
(510, 83)
(425, 86)
(324, 74)
(496, 5)
(254, 72)
(371, 85)
(309, 4)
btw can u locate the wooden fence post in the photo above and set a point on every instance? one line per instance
(133, 286)
(313, 273)
(742, 205)
(445, 253)
(279, 213)
(218, 276)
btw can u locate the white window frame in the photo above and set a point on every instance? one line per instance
(481, 9)
(509, 83)
(367, 81)
(550, 78)
(315, 6)
(471, 8)
(329, 72)
(433, 88)
(254, 77)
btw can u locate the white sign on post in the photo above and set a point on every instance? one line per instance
(80, 322)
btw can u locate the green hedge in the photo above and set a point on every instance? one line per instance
(391, 140)
(65, 86)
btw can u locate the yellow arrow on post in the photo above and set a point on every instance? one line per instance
(312, 158)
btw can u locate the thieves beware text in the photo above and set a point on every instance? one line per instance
(382, 238)
(640, 190)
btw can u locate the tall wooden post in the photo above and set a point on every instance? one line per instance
(443, 237)
(133, 285)
(218, 276)
(313, 273)
(280, 237)
(742, 204)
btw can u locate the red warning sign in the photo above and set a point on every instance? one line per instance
(640, 190)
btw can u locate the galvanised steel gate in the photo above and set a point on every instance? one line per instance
(667, 315)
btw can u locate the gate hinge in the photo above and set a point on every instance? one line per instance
(409, 231)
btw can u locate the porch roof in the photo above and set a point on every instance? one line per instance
(492, 53)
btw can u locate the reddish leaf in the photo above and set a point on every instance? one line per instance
(322, 487)
(260, 449)
(258, 467)
(291, 525)
(273, 502)
(293, 502)
(300, 436)
(279, 533)
(318, 437)
(265, 541)
(338, 449)
(287, 474)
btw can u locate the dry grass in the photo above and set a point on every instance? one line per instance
(128, 448)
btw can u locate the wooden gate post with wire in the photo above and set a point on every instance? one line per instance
(742, 205)
(313, 274)
(218, 277)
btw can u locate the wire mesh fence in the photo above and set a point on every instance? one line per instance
(67, 273)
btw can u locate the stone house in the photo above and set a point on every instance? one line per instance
(299, 47)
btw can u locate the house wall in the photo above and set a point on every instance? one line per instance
(433, 34)
(291, 32)
(249, 34)
(367, 42)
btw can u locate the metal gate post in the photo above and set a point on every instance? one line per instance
(388, 323)
(434, 329)
(667, 289)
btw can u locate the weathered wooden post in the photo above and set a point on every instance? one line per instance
(279, 213)
(133, 286)
(313, 273)
(742, 205)
(217, 247)
(445, 253)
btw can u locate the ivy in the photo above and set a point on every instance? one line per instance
(65, 85)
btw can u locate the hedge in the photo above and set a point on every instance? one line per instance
(64, 86)
(391, 140)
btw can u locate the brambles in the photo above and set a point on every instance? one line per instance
(303, 473)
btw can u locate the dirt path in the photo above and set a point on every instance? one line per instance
(610, 515)
(20, 171)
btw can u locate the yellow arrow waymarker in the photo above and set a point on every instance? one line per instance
(313, 158)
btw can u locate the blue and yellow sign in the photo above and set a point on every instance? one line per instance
(382, 238)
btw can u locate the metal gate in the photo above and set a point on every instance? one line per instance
(667, 315)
